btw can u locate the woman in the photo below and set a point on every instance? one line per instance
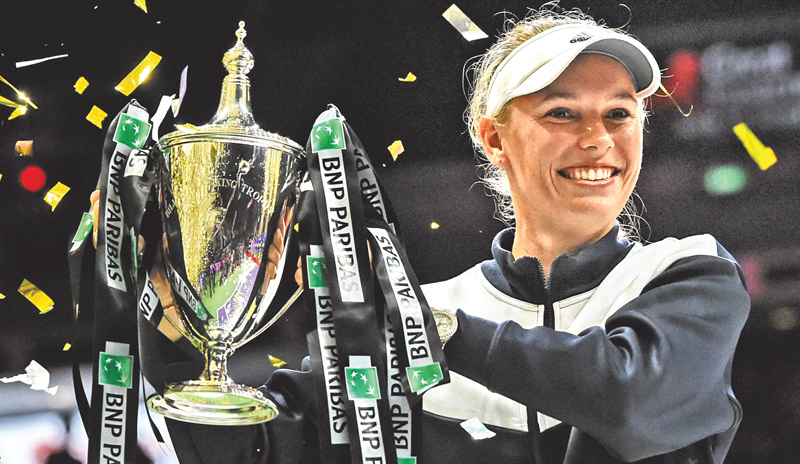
(575, 344)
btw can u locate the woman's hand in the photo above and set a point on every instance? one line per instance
(170, 324)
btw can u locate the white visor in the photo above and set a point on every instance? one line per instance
(537, 62)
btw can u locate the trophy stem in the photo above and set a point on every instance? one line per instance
(217, 353)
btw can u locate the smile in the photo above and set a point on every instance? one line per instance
(592, 174)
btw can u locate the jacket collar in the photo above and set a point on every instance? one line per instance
(570, 274)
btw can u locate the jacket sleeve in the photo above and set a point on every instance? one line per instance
(655, 379)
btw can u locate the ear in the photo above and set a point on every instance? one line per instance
(491, 139)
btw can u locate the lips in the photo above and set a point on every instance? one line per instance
(590, 174)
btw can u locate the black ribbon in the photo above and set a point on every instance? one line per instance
(109, 300)
(353, 334)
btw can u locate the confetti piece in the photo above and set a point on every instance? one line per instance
(54, 196)
(763, 156)
(141, 4)
(161, 112)
(11, 104)
(2, 297)
(186, 127)
(139, 74)
(409, 78)
(463, 24)
(24, 147)
(39, 299)
(476, 429)
(396, 148)
(81, 84)
(67, 346)
(18, 112)
(297, 227)
(278, 363)
(36, 376)
(434, 225)
(178, 102)
(22, 64)
(21, 95)
(96, 116)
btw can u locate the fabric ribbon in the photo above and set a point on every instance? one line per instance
(109, 302)
(360, 365)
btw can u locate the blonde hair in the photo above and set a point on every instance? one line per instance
(515, 33)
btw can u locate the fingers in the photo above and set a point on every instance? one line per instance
(298, 274)
(94, 199)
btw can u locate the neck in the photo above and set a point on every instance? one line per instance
(547, 245)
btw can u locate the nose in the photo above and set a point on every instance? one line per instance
(596, 135)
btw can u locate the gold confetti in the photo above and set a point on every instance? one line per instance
(21, 95)
(54, 196)
(39, 299)
(24, 147)
(463, 24)
(96, 116)
(2, 297)
(67, 346)
(279, 363)
(186, 127)
(434, 225)
(139, 74)
(763, 156)
(409, 78)
(18, 112)
(396, 148)
(81, 84)
(11, 104)
(141, 4)
(297, 227)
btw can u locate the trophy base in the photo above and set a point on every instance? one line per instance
(213, 403)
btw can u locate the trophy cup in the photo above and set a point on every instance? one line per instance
(226, 193)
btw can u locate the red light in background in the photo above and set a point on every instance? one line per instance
(682, 79)
(32, 178)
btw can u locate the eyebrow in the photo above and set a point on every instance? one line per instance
(571, 96)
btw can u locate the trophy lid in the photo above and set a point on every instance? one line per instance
(233, 121)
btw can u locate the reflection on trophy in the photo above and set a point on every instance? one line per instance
(226, 193)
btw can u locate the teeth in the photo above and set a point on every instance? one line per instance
(589, 174)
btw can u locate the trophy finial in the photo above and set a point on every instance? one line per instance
(234, 105)
(238, 60)
(241, 33)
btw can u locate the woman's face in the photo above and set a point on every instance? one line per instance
(573, 150)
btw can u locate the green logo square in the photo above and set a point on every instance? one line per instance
(362, 383)
(116, 370)
(84, 229)
(317, 272)
(424, 377)
(131, 132)
(328, 135)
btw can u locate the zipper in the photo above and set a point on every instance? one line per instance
(549, 319)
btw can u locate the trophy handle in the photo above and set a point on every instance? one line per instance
(274, 319)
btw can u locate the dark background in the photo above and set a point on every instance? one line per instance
(309, 54)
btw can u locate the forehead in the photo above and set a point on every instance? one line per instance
(593, 71)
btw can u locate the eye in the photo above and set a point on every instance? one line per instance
(559, 113)
(619, 113)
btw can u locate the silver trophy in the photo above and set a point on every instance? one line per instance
(226, 193)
